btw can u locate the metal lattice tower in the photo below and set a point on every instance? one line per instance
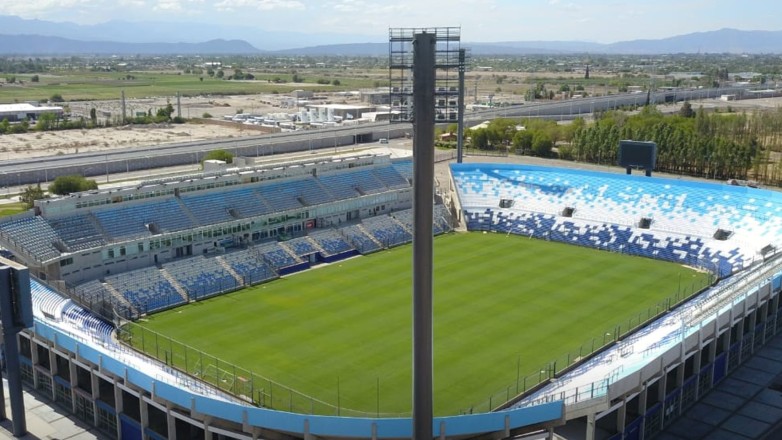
(400, 45)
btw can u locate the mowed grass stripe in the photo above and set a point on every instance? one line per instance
(498, 299)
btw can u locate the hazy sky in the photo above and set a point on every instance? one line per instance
(602, 21)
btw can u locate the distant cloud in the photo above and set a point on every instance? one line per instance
(132, 3)
(262, 5)
(168, 5)
(41, 7)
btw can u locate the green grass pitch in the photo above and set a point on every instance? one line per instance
(504, 306)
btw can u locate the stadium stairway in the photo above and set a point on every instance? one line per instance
(187, 211)
(401, 224)
(178, 287)
(370, 235)
(288, 251)
(120, 298)
(230, 270)
(98, 227)
(318, 247)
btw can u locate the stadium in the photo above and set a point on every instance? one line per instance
(112, 268)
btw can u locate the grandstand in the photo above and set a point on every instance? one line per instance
(103, 256)
(659, 218)
(163, 243)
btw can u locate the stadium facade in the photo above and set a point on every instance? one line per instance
(106, 256)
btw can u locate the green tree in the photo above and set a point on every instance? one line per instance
(542, 144)
(223, 155)
(47, 121)
(69, 184)
(94, 116)
(686, 111)
(522, 141)
(56, 98)
(5, 126)
(31, 194)
(480, 139)
(164, 114)
(21, 127)
(336, 82)
(34, 78)
(220, 73)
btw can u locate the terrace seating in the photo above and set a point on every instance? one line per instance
(387, 231)
(404, 168)
(33, 235)
(331, 241)
(391, 177)
(681, 211)
(249, 266)
(359, 239)
(340, 185)
(276, 256)
(210, 208)
(135, 221)
(302, 246)
(146, 289)
(78, 232)
(312, 193)
(201, 276)
(283, 196)
(92, 292)
(365, 182)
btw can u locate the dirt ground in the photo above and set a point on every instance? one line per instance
(19, 146)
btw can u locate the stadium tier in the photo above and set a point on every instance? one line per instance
(719, 227)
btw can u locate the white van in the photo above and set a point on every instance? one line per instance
(383, 140)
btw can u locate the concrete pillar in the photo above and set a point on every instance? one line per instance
(681, 369)
(663, 382)
(118, 406)
(73, 379)
(171, 423)
(753, 322)
(144, 414)
(94, 384)
(590, 427)
(207, 422)
(35, 359)
(763, 317)
(621, 416)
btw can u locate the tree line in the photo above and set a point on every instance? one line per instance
(701, 144)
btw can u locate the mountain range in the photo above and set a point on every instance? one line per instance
(37, 37)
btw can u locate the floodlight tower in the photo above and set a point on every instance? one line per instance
(423, 91)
